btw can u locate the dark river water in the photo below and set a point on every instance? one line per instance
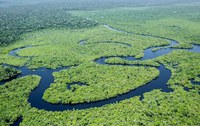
(35, 98)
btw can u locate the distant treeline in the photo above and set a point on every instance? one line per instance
(89, 4)
(42, 14)
(18, 20)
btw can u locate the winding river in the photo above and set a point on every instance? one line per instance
(35, 98)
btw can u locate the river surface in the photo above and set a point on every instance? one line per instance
(35, 98)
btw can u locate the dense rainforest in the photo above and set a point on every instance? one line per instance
(112, 62)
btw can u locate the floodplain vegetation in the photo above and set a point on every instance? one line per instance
(179, 22)
(58, 44)
(103, 82)
(8, 73)
(65, 50)
(16, 21)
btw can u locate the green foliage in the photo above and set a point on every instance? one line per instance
(53, 51)
(60, 47)
(7, 59)
(184, 66)
(197, 79)
(117, 60)
(14, 95)
(16, 21)
(179, 22)
(103, 82)
(177, 108)
(7, 73)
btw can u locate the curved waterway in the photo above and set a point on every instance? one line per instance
(35, 98)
